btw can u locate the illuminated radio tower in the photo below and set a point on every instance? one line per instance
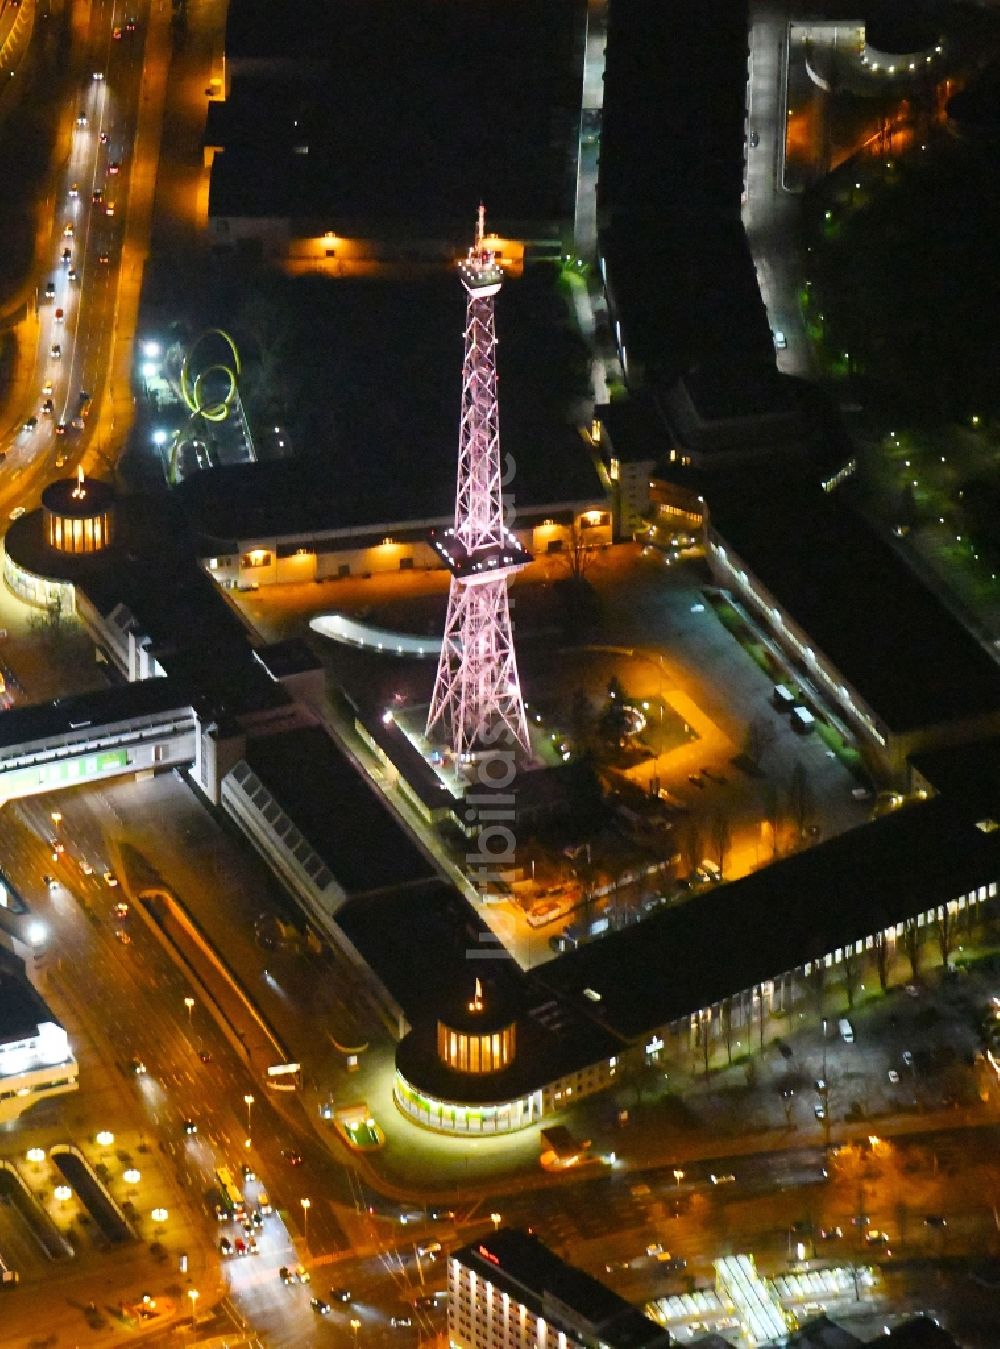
(477, 694)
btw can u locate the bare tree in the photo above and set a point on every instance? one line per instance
(579, 552)
(882, 959)
(852, 977)
(801, 800)
(945, 933)
(758, 739)
(771, 809)
(691, 846)
(722, 838)
(726, 1019)
(705, 1037)
(911, 945)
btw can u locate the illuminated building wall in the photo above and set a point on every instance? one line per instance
(475, 1052)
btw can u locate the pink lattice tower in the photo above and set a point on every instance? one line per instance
(477, 694)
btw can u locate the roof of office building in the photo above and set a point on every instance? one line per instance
(920, 1333)
(415, 121)
(909, 658)
(337, 810)
(687, 957)
(455, 948)
(518, 1263)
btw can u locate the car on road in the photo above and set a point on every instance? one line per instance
(68, 230)
(116, 32)
(55, 351)
(138, 1067)
(225, 1246)
(104, 258)
(74, 191)
(50, 290)
(754, 139)
(47, 389)
(263, 1203)
(129, 24)
(400, 1322)
(893, 1076)
(819, 1111)
(30, 424)
(935, 1220)
(122, 936)
(50, 881)
(110, 879)
(907, 1058)
(59, 315)
(72, 275)
(81, 118)
(190, 1127)
(429, 1251)
(110, 208)
(67, 255)
(98, 76)
(830, 1233)
(114, 167)
(97, 196)
(204, 1056)
(339, 1295)
(247, 1172)
(298, 1274)
(60, 461)
(241, 1246)
(48, 407)
(320, 1307)
(292, 1157)
(60, 428)
(780, 340)
(86, 867)
(252, 1247)
(78, 424)
(121, 910)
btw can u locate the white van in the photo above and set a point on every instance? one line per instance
(846, 1031)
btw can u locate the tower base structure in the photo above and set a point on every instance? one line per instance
(477, 694)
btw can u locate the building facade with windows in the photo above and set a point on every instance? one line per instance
(509, 1291)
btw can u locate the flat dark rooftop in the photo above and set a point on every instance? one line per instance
(913, 663)
(533, 1274)
(337, 811)
(21, 1006)
(686, 292)
(417, 118)
(674, 87)
(636, 428)
(684, 958)
(103, 707)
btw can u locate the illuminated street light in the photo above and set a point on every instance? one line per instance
(160, 1215)
(152, 350)
(131, 1176)
(306, 1206)
(248, 1102)
(160, 436)
(678, 1175)
(150, 369)
(62, 1193)
(496, 1219)
(56, 817)
(355, 1327)
(37, 932)
(36, 1155)
(105, 1138)
(189, 1004)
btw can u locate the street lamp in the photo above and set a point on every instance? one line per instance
(193, 1294)
(678, 1175)
(496, 1219)
(160, 1215)
(63, 1193)
(355, 1326)
(248, 1102)
(36, 1155)
(105, 1138)
(131, 1176)
(306, 1206)
(189, 1004)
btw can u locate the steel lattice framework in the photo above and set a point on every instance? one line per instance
(477, 694)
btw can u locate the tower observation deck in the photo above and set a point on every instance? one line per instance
(477, 694)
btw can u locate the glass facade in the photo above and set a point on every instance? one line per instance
(452, 1118)
(74, 534)
(475, 1053)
